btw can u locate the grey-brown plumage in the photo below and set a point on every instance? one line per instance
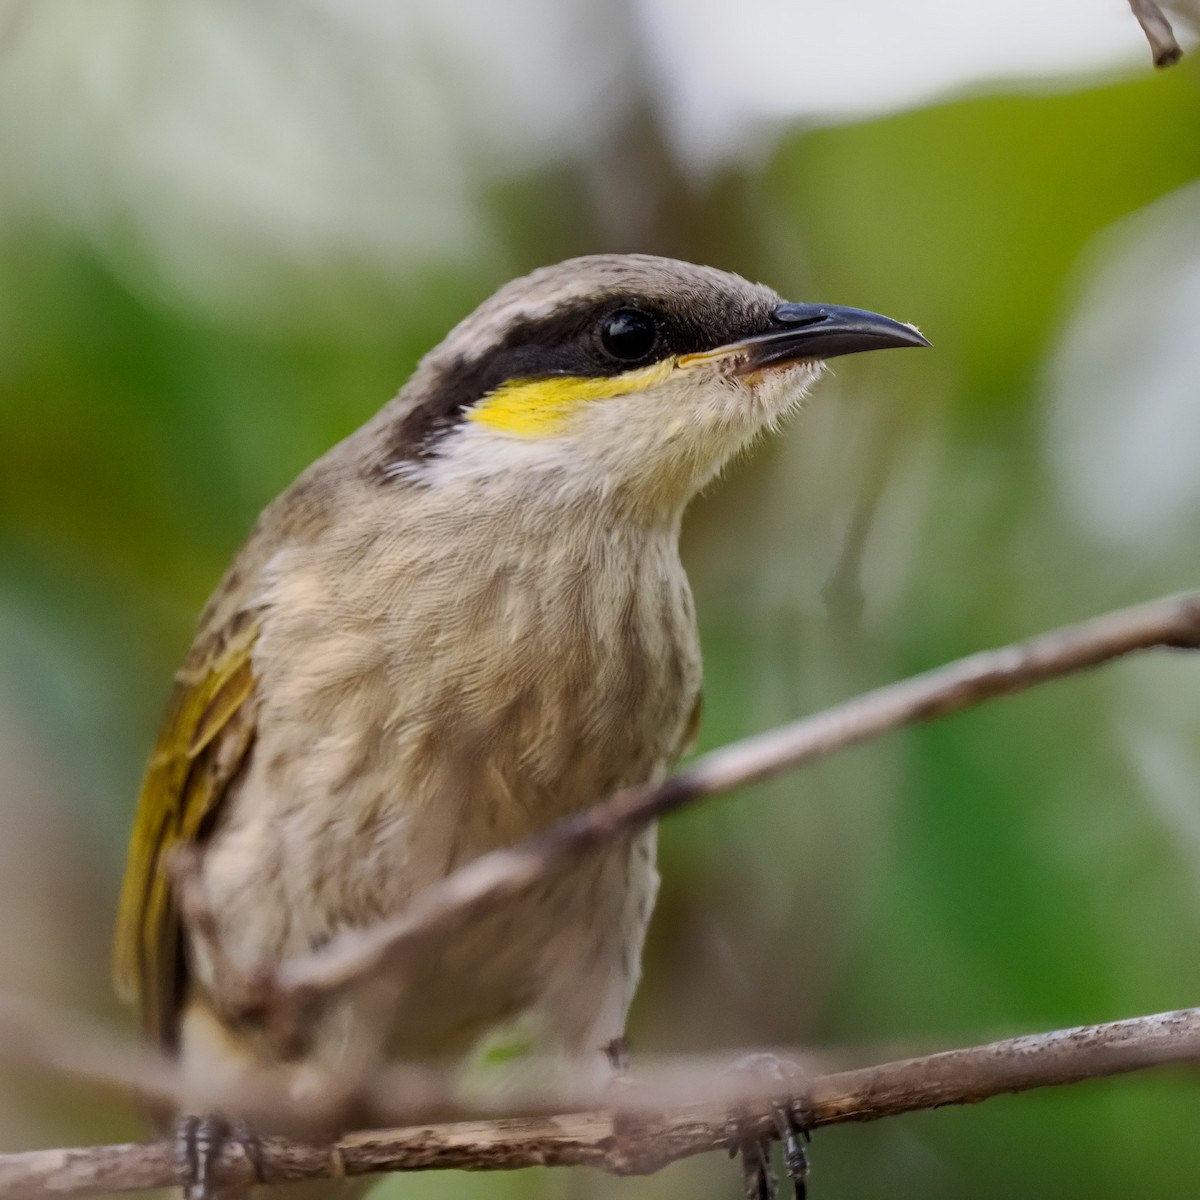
(464, 622)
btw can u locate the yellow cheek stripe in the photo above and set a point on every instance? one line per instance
(543, 407)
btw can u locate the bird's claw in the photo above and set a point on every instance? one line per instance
(199, 1141)
(758, 1177)
(793, 1121)
(616, 1052)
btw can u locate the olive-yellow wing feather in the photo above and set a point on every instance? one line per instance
(202, 746)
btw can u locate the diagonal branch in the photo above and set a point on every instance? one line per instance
(632, 1137)
(462, 896)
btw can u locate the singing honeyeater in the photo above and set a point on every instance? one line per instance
(464, 622)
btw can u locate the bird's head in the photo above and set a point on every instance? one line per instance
(616, 375)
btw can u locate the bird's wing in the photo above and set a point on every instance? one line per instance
(203, 744)
(691, 732)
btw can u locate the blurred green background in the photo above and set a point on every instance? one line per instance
(228, 231)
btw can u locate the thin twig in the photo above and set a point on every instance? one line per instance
(45, 1038)
(843, 593)
(33, 1035)
(631, 1138)
(397, 943)
(50, 1039)
(1166, 50)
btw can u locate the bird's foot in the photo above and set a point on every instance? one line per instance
(616, 1051)
(793, 1121)
(758, 1176)
(199, 1142)
(620, 1085)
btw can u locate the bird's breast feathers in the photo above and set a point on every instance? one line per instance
(422, 703)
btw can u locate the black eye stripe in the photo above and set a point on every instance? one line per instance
(568, 341)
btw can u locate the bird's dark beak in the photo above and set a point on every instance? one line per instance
(825, 331)
(806, 331)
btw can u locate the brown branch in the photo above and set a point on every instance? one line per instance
(1166, 50)
(466, 893)
(630, 1137)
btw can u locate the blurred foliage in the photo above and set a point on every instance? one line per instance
(1032, 864)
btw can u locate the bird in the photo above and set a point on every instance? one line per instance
(466, 621)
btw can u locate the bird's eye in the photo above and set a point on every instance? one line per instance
(628, 334)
